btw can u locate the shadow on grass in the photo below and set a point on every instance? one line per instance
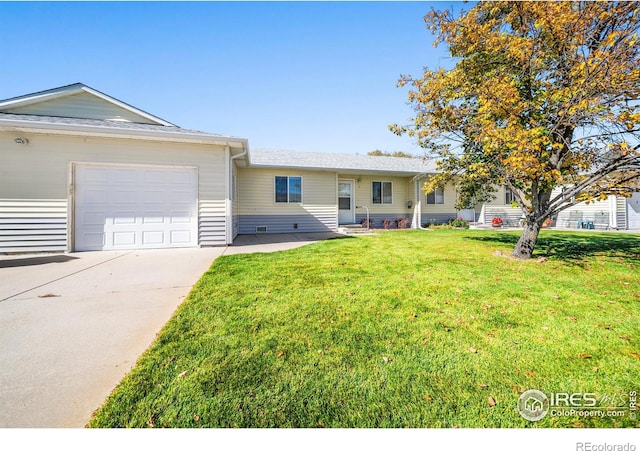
(575, 247)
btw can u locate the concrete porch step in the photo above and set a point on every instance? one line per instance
(354, 229)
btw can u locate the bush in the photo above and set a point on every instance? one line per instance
(386, 223)
(367, 223)
(459, 223)
(403, 223)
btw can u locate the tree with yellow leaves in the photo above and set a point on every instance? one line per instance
(542, 95)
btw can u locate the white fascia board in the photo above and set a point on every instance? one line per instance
(38, 97)
(97, 131)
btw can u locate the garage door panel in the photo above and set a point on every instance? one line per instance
(95, 240)
(123, 197)
(153, 238)
(124, 238)
(155, 208)
(153, 217)
(122, 217)
(95, 196)
(180, 217)
(93, 218)
(181, 236)
(155, 177)
(95, 175)
(182, 179)
(125, 176)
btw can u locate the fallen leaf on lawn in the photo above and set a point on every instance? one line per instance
(607, 327)
(636, 355)
(280, 354)
(483, 385)
(183, 373)
(595, 369)
(447, 329)
(585, 356)
(386, 359)
(625, 338)
(427, 398)
(573, 318)
(492, 402)
(529, 373)
(473, 350)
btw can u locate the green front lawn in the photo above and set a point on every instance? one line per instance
(399, 329)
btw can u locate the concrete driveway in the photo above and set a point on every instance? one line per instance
(72, 325)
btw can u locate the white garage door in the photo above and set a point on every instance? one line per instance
(633, 212)
(135, 207)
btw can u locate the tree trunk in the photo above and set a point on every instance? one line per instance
(527, 241)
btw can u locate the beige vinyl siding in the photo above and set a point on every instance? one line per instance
(40, 169)
(499, 197)
(33, 225)
(449, 205)
(401, 191)
(256, 199)
(82, 105)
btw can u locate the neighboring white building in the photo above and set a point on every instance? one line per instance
(80, 170)
(615, 212)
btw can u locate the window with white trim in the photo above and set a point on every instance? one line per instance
(382, 193)
(509, 196)
(436, 196)
(288, 189)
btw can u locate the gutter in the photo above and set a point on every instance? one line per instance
(107, 132)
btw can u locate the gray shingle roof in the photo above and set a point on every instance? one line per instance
(329, 161)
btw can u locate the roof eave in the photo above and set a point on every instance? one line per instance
(97, 131)
(390, 172)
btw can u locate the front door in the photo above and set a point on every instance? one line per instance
(346, 208)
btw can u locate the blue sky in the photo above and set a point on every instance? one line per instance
(311, 76)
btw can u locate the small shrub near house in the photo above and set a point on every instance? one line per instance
(403, 223)
(368, 223)
(386, 223)
(459, 223)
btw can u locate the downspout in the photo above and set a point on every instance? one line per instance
(417, 211)
(229, 189)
